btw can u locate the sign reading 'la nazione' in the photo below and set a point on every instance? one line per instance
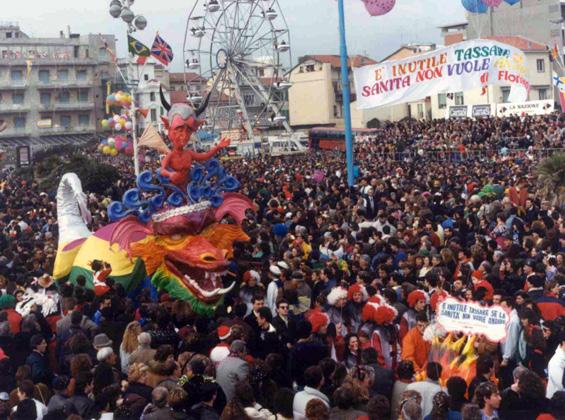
(457, 68)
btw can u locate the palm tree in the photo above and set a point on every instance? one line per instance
(551, 178)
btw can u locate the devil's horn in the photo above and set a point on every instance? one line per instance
(204, 104)
(164, 101)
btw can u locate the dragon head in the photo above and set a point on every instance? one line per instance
(186, 250)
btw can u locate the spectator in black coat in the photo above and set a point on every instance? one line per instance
(37, 360)
(307, 352)
(267, 340)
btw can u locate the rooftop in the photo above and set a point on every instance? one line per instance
(335, 61)
(520, 42)
(190, 77)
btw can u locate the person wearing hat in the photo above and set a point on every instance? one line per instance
(250, 287)
(417, 300)
(100, 341)
(274, 287)
(59, 399)
(222, 349)
(7, 304)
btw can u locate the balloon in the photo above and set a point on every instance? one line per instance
(118, 127)
(475, 6)
(129, 150)
(512, 2)
(104, 124)
(116, 118)
(111, 141)
(119, 143)
(111, 123)
(379, 7)
(106, 150)
(104, 142)
(492, 3)
(122, 121)
(129, 125)
(114, 152)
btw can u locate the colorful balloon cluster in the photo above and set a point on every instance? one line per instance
(118, 122)
(115, 145)
(379, 7)
(119, 99)
(481, 6)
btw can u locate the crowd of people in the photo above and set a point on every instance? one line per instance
(334, 308)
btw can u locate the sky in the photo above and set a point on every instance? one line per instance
(313, 23)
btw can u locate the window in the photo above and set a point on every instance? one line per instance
(145, 77)
(540, 65)
(442, 101)
(152, 96)
(153, 115)
(310, 68)
(64, 97)
(249, 99)
(505, 94)
(459, 99)
(44, 76)
(65, 121)
(542, 94)
(8, 34)
(76, 51)
(45, 98)
(63, 75)
(19, 123)
(81, 75)
(102, 53)
(16, 75)
(86, 53)
(83, 95)
(261, 72)
(18, 98)
(420, 111)
(84, 120)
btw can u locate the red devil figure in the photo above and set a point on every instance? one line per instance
(182, 121)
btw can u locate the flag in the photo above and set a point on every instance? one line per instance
(143, 112)
(162, 51)
(151, 138)
(29, 64)
(555, 52)
(108, 91)
(559, 83)
(137, 48)
(111, 53)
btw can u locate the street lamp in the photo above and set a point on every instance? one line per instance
(122, 9)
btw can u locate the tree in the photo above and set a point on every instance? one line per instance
(551, 178)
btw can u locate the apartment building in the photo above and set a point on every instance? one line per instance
(52, 87)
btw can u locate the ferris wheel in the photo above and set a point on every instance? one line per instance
(238, 52)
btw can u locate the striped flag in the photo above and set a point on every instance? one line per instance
(559, 83)
(162, 51)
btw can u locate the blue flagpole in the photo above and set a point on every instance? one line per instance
(346, 96)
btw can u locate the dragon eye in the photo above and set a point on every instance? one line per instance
(176, 237)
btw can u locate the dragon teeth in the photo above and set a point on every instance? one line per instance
(209, 293)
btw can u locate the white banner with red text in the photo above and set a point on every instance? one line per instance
(456, 68)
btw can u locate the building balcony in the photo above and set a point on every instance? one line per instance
(71, 106)
(13, 109)
(14, 133)
(65, 84)
(40, 62)
(67, 130)
(10, 85)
